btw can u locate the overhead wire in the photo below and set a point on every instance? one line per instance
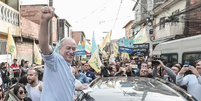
(117, 14)
(94, 11)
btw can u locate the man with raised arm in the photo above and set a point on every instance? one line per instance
(58, 80)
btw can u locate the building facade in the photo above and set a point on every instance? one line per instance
(9, 22)
(129, 30)
(78, 36)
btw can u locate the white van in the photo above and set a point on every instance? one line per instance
(180, 50)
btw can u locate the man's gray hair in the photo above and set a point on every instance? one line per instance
(63, 40)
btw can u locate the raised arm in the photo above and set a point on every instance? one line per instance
(46, 14)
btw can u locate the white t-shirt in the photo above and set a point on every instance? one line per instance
(33, 92)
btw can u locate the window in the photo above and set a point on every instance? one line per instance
(162, 22)
(191, 57)
(175, 19)
(169, 58)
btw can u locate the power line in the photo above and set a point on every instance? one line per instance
(113, 19)
(186, 10)
(94, 11)
(117, 13)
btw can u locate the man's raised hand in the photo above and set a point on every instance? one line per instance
(47, 13)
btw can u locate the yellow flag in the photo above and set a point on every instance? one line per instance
(141, 36)
(11, 48)
(106, 40)
(95, 62)
(37, 55)
(87, 47)
(115, 47)
(105, 54)
(125, 55)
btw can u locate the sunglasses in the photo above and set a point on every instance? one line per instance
(21, 92)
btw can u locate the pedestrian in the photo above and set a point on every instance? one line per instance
(34, 86)
(58, 79)
(20, 92)
(193, 81)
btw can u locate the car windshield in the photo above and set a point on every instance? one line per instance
(132, 89)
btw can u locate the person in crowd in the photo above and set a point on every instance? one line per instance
(16, 68)
(20, 92)
(133, 62)
(57, 65)
(80, 76)
(90, 75)
(128, 69)
(33, 65)
(105, 71)
(144, 65)
(23, 80)
(193, 81)
(171, 72)
(78, 85)
(118, 65)
(14, 65)
(22, 63)
(144, 72)
(34, 86)
(5, 74)
(80, 64)
(2, 96)
(25, 68)
(113, 72)
(134, 67)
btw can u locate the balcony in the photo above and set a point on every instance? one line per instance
(9, 19)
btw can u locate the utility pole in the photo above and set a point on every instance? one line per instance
(50, 24)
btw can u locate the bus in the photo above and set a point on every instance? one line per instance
(180, 50)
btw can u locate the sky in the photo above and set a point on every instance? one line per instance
(94, 16)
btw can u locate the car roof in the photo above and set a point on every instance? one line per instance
(132, 89)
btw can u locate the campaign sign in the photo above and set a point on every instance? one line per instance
(140, 49)
(125, 45)
(80, 50)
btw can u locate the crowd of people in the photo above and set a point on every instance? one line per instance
(141, 67)
(64, 77)
(24, 77)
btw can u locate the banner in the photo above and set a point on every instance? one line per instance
(37, 55)
(141, 37)
(106, 40)
(87, 47)
(95, 62)
(125, 45)
(11, 48)
(80, 50)
(141, 49)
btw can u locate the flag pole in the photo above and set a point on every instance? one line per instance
(7, 46)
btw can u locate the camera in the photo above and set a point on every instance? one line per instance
(106, 67)
(155, 62)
